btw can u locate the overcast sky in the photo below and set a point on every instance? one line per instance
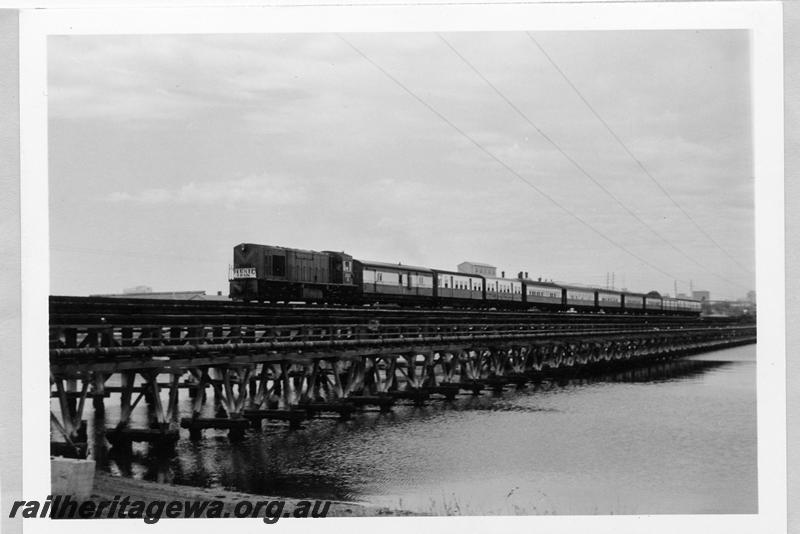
(166, 151)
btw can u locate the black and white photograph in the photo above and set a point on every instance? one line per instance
(330, 270)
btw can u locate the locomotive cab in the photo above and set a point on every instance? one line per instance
(341, 267)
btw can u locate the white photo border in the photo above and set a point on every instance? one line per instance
(762, 19)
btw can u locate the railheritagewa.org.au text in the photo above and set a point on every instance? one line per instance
(65, 507)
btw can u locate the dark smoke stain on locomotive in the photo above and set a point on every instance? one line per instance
(278, 274)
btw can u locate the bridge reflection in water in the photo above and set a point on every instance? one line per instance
(278, 461)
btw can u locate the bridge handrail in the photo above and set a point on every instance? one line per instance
(236, 344)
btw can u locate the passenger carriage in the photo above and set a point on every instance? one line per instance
(458, 288)
(653, 303)
(669, 305)
(579, 298)
(390, 282)
(609, 301)
(633, 302)
(503, 290)
(542, 295)
(688, 306)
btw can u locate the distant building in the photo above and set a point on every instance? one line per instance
(472, 267)
(701, 295)
(148, 293)
(137, 289)
(729, 308)
(751, 297)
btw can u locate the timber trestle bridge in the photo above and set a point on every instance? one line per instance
(292, 364)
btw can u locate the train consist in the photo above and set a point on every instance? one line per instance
(277, 274)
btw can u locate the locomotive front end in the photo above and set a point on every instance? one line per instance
(243, 274)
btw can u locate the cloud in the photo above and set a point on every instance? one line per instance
(168, 77)
(303, 122)
(265, 191)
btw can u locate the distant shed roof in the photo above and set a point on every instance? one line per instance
(477, 264)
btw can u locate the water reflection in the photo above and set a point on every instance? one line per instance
(662, 371)
(674, 437)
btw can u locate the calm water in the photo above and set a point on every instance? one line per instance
(675, 439)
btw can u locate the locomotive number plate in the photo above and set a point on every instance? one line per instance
(244, 272)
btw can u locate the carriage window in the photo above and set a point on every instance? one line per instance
(400, 279)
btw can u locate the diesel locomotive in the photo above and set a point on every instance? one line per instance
(266, 273)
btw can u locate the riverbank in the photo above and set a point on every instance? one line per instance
(107, 487)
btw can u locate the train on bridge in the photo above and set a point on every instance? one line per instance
(278, 274)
